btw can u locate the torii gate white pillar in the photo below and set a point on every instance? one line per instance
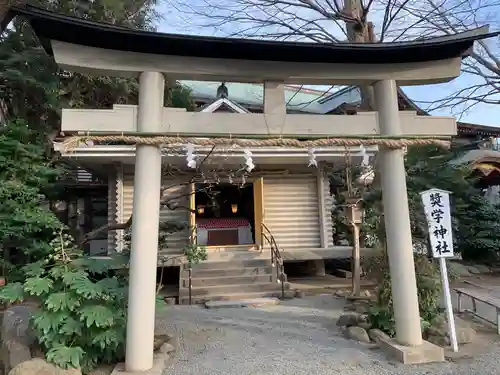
(397, 219)
(145, 222)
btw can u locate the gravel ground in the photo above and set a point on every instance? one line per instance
(296, 337)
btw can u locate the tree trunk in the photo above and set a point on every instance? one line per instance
(360, 32)
(4, 8)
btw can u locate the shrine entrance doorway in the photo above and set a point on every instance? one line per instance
(227, 214)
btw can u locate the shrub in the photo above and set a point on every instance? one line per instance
(26, 223)
(429, 289)
(81, 319)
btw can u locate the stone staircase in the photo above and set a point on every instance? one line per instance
(229, 280)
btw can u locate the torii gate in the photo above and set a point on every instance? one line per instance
(83, 46)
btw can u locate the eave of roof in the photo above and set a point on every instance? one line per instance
(51, 26)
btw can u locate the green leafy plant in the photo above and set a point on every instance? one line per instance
(195, 254)
(478, 231)
(81, 319)
(429, 289)
(381, 317)
(475, 226)
(475, 221)
(26, 223)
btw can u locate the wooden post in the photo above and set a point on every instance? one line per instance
(354, 215)
(258, 199)
(356, 262)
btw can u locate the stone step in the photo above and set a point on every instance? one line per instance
(228, 272)
(220, 290)
(248, 302)
(237, 249)
(230, 264)
(236, 256)
(184, 299)
(223, 281)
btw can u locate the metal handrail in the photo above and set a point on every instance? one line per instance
(276, 258)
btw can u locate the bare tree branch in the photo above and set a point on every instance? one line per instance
(334, 21)
(203, 174)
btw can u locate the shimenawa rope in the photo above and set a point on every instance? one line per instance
(393, 143)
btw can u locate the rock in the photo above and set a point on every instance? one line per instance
(350, 307)
(376, 334)
(18, 340)
(438, 340)
(165, 338)
(38, 366)
(167, 348)
(159, 340)
(174, 341)
(465, 333)
(458, 269)
(348, 320)
(363, 318)
(439, 327)
(358, 334)
(103, 370)
(365, 325)
(361, 308)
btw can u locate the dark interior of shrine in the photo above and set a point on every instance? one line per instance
(225, 201)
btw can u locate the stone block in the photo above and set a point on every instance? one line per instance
(410, 355)
(160, 362)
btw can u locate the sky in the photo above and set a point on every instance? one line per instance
(174, 21)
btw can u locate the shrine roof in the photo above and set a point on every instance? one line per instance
(52, 26)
